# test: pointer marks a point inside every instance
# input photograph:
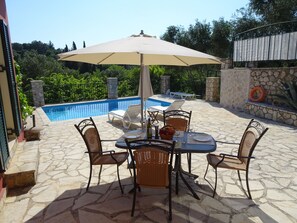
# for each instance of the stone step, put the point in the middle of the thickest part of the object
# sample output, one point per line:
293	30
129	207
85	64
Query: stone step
22	169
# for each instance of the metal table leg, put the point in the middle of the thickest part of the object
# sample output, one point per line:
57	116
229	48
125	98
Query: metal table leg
180	172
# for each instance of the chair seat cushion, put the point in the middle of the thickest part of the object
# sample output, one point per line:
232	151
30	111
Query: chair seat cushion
116	158
228	162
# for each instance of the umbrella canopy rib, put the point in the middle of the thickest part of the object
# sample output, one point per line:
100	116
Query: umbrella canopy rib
181	60
101	61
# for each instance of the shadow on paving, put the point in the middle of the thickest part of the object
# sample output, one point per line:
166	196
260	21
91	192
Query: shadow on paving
242	114
238	204
18	191
105	203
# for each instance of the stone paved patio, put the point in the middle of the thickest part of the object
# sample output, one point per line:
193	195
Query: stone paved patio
60	196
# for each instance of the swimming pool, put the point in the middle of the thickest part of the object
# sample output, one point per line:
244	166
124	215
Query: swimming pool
83	110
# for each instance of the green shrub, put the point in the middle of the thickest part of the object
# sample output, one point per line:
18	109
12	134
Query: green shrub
288	96
59	88
26	109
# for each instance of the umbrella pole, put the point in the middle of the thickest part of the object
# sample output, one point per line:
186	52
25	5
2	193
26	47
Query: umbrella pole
141	88
145	109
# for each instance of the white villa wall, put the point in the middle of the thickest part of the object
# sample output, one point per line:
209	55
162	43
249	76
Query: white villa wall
235	86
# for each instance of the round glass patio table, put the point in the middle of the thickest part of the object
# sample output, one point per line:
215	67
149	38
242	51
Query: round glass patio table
190	142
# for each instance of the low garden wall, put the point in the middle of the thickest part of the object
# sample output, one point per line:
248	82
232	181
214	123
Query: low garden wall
271	78
237	83
274	113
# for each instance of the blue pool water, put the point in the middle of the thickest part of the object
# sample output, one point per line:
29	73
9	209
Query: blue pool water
88	109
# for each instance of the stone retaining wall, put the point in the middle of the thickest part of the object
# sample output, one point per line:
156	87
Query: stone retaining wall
271	112
270	79
237	83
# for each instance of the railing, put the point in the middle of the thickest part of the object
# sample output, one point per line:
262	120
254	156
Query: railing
277	41
73	92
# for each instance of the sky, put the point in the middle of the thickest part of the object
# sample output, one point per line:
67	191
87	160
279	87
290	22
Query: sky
99	21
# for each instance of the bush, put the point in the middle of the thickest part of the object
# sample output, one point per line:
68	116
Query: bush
61	88
26	109
288	97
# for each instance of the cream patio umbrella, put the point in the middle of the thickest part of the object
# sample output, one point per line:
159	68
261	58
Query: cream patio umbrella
146	90
139	50
147	86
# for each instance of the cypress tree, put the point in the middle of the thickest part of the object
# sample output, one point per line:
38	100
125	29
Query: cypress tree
66	48
73	46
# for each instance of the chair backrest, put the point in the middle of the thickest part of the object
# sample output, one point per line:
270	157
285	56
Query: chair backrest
179	119
251	136
132	112
176	105
91	137
151	161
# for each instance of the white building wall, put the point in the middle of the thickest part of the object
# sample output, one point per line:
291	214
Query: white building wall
235	87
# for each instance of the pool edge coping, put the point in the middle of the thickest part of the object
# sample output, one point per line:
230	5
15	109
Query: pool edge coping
46	121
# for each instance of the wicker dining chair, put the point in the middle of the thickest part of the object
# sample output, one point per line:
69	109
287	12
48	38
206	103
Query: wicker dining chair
152	165
240	162
180	120
97	156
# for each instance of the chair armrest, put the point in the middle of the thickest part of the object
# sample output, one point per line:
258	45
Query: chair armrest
231	143
230	155
107	151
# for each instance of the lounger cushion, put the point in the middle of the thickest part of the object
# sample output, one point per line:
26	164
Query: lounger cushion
158	108
119	113
174	106
131	115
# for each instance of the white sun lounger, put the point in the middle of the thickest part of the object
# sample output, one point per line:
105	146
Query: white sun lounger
131	115
182	95
174	106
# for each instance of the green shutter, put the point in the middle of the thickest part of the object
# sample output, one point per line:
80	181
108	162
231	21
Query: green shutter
4	150
11	78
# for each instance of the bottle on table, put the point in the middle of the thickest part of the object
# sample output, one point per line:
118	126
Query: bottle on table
149	131
156	132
